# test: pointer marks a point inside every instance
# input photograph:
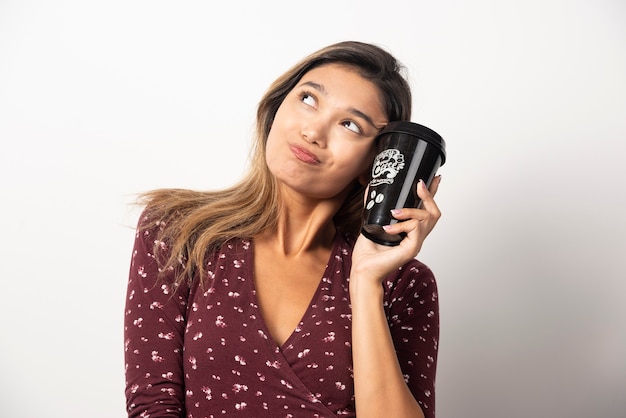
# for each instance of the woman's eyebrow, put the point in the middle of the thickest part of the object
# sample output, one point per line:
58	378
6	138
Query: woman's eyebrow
357	112
352	110
315	85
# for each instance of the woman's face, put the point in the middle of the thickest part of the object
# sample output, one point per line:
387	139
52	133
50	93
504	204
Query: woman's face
322	136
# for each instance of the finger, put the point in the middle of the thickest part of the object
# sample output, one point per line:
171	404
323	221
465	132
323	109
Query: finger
428	203
415	231
434	185
410	213
399	227
413	220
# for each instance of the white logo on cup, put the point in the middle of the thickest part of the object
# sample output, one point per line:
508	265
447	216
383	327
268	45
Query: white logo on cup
386	167
375	198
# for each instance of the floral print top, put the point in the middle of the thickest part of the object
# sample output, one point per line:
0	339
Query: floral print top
195	351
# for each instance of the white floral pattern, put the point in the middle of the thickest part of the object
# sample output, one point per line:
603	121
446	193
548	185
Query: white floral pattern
205	352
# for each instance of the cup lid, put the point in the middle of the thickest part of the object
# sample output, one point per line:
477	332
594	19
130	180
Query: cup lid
420	131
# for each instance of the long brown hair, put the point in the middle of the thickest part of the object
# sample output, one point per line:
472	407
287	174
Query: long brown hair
193	223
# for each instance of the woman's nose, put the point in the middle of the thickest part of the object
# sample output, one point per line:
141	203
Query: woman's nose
314	132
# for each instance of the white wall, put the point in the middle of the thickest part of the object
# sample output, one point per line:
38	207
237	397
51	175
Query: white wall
101	100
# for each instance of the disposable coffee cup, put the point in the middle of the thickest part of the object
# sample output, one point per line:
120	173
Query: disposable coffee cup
407	152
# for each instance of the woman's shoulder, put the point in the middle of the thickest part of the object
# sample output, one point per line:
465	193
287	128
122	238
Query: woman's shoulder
414	277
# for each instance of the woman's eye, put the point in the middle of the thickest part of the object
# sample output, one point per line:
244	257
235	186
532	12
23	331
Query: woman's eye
308	99
352	126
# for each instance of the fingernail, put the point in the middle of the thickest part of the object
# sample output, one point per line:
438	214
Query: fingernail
386	227
396	211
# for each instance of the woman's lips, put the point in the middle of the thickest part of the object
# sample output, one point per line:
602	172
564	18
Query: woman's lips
304	155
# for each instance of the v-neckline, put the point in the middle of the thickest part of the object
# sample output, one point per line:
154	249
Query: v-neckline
301	322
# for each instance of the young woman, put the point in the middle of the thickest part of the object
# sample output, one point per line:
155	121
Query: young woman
263	300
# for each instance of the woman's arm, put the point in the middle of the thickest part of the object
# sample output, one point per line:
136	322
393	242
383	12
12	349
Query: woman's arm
380	386
154	326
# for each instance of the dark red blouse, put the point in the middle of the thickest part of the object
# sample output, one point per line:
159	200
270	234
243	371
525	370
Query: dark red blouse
198	352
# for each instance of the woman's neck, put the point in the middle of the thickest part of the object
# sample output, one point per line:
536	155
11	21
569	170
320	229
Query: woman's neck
303	225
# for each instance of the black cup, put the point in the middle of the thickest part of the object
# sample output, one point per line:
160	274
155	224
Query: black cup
407	152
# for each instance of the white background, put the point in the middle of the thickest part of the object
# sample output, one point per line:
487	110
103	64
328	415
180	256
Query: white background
102	100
